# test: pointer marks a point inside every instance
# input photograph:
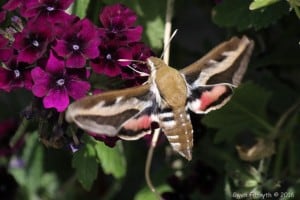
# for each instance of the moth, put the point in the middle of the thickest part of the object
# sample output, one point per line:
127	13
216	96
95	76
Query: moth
167	97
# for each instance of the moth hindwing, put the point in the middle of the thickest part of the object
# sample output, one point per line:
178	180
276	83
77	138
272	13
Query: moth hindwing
167	97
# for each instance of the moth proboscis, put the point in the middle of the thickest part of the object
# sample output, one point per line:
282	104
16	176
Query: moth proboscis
167	97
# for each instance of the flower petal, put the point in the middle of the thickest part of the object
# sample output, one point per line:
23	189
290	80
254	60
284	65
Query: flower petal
78	88
112	13
75	60
65	4
61	48
109	69
11	5
134	34
5	54
2	16
88	30
124	53
28	56
57	98
91	50
41	81
4	79
28	80
54	64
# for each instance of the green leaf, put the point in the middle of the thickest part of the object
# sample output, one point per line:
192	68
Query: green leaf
151	15
112	159
256	4
236	14
86	167
114	1
32	156
295	5
155	31
80	7
50	182
243	112
146	194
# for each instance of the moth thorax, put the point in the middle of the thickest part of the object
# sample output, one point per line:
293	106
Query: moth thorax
176	125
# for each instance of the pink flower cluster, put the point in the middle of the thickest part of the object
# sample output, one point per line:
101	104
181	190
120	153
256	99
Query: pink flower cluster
52	53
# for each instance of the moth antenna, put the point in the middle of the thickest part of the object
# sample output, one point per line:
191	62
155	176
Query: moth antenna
132	68
166	47
149	162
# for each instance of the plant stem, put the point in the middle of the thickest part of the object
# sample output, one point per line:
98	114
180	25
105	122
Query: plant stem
292	156
283	119
168	29
279	158
19	133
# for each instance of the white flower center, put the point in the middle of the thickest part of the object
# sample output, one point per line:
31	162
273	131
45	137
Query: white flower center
35	43
60	82
75	47
50	8
108	57
17	73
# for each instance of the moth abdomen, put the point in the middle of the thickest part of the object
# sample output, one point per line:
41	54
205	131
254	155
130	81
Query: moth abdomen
178	129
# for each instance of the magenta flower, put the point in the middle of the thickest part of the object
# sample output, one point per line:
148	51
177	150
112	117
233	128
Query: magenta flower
48	10
2	16
108	62
5	50
60	27
118	22
32	42
79	43
15	75
117	12
56	83
12	5
140	52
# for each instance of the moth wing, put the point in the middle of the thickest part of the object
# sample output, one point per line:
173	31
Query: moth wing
125	113
212	78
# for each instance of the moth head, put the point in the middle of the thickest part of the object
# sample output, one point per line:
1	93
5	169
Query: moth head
155	63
